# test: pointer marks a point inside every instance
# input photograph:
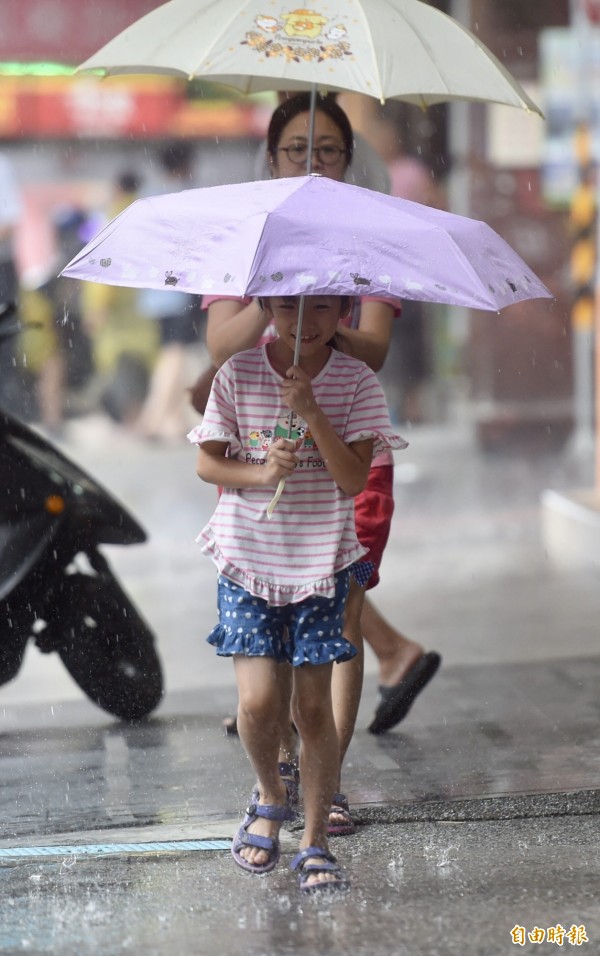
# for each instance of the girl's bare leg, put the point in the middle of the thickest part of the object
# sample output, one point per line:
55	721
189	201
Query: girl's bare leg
319	751
289	743
259	715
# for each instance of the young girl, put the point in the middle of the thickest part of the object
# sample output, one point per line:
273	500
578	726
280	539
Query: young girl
283	581
237	324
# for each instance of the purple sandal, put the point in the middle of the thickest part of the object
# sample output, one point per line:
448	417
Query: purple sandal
327	863
341	808
269	844
290	774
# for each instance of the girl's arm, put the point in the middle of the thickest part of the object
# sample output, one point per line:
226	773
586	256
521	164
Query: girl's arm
216	468
348	464
370	342
233	327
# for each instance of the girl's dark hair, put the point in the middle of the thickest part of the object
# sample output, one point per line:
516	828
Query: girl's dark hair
337	341
289	109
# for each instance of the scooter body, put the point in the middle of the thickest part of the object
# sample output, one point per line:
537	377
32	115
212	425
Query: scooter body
56	586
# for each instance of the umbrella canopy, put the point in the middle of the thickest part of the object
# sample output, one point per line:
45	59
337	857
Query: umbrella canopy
306	235
402	49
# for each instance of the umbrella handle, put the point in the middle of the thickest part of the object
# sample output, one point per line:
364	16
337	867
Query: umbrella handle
273	503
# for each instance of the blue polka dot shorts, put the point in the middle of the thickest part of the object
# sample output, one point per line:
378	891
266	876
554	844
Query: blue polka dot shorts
309	632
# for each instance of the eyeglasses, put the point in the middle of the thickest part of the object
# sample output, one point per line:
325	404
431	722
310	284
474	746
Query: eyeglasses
297	154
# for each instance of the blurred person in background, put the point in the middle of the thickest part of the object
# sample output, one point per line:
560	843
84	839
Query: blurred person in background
11	210
53	343
410	365
124	339
164	416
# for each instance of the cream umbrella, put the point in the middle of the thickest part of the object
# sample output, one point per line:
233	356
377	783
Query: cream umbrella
388	49
399	49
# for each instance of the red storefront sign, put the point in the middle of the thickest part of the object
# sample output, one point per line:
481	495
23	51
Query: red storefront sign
64	31
60	106
138	107
68	31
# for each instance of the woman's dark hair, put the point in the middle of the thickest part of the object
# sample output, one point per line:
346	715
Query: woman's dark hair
289	109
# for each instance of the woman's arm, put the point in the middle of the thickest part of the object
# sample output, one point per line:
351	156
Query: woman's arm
370	342
233	327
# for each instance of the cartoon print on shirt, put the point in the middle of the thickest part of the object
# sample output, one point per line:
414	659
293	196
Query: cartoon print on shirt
263	438
266	436
309	441
282	428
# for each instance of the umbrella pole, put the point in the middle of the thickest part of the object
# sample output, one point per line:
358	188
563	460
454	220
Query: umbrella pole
298	343
311	126
281	485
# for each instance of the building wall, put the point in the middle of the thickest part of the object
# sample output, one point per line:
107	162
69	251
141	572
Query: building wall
520	362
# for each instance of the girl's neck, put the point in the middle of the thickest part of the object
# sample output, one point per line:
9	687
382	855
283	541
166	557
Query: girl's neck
282	358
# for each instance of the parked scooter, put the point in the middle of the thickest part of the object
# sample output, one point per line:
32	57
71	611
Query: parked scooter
56	586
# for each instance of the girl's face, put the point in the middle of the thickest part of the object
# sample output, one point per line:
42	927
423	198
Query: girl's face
329	156
319	322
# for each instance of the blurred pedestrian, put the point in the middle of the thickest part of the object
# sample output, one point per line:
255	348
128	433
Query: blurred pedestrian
411	363
53	341
11	210
124	339
164	415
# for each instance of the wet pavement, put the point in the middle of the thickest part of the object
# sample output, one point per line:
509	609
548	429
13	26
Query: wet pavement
477	816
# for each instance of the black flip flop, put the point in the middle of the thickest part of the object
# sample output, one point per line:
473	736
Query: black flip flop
397	700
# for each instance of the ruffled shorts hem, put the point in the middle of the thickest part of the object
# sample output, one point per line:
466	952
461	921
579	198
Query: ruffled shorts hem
229	643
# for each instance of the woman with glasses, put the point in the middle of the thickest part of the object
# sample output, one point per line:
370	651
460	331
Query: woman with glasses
237	324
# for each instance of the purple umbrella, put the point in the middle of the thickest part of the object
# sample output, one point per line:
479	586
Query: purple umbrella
306	236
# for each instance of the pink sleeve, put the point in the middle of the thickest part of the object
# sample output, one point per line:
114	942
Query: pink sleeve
396	304
209	299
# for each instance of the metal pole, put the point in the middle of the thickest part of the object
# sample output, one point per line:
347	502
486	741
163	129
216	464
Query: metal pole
458	184
583	311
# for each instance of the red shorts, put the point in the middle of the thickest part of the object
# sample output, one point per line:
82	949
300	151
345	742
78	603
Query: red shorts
373	510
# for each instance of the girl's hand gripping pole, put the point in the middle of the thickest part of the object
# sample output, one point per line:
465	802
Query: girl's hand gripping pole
273	503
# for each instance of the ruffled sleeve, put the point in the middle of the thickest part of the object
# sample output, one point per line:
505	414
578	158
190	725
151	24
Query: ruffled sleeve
369	416
220	419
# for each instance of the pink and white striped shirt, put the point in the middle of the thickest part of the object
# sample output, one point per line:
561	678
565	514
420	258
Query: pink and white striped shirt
350	321
312	534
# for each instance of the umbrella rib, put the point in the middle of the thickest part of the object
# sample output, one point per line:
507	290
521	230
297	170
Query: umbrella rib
420	41
416	38
466	262
156	48
368	35
234	16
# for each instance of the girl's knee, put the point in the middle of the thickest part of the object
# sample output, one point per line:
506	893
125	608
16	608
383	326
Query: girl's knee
312	716
258	710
